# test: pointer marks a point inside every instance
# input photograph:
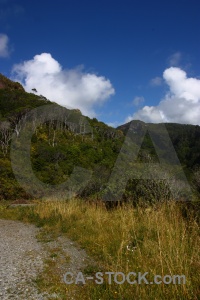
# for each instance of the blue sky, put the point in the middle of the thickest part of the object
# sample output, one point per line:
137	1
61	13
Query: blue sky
114	60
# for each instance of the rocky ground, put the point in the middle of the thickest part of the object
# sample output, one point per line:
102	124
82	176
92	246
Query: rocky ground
22	258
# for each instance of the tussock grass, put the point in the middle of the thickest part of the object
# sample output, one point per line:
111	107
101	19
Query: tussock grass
157	240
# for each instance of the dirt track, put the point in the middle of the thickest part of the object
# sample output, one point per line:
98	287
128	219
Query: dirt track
22	258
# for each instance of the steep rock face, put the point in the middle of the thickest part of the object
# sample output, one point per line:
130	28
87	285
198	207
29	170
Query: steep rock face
6	83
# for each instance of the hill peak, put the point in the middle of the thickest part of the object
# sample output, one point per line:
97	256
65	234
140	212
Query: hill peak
6	83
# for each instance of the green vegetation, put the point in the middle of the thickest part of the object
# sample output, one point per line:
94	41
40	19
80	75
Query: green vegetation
58	146
158	240
145	234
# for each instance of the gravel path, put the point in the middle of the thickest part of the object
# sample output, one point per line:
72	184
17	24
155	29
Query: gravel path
22	258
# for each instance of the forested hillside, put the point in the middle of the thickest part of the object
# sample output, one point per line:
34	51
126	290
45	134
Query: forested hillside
58	146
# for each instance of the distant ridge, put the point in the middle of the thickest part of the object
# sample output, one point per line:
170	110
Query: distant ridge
6	83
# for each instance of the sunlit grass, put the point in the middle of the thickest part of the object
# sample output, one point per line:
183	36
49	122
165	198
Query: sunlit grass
157	240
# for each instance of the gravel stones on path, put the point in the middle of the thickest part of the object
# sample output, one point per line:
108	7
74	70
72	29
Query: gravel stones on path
22	258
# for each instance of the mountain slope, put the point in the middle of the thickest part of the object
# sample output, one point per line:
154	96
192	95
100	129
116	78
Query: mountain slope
185	139
57	146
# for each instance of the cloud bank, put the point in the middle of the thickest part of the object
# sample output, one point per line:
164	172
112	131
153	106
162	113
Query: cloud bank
72	88
181	103
4	49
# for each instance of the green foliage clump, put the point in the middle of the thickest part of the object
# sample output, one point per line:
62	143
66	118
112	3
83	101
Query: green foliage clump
59	146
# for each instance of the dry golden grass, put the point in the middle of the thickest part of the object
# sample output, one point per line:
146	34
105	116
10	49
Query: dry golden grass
157	240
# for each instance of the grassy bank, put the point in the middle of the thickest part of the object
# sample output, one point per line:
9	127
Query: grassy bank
158	240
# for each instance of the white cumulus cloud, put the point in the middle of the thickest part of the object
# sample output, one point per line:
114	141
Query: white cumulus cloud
72	88
181	103
4	49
